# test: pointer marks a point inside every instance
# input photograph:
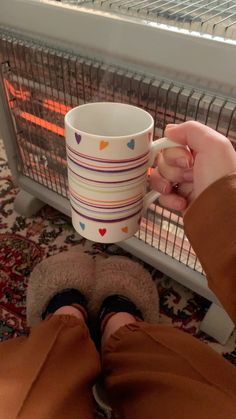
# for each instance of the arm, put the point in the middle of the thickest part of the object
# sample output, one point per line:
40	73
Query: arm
206	175
210	225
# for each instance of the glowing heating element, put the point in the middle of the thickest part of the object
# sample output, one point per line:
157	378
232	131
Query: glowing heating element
47	103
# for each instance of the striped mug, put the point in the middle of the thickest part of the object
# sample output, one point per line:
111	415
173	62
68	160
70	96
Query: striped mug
109	149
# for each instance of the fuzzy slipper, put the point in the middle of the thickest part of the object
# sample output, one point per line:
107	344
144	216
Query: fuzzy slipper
61	273
123	277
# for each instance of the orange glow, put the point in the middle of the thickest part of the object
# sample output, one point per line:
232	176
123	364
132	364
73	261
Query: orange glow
42	123
24	95
150	170
20	94
56	106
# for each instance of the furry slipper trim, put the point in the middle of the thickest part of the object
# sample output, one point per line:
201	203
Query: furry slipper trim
65	270
122	276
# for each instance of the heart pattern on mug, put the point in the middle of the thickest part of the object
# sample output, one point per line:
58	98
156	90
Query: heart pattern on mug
77	137
125	229
82	225
131	144
102	231
103	144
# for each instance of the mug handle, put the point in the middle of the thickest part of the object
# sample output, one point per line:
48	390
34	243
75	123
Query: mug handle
157	145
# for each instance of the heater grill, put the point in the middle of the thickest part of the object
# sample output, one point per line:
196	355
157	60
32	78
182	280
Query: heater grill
43	83
213	17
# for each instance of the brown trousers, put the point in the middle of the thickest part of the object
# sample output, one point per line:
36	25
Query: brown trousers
151	372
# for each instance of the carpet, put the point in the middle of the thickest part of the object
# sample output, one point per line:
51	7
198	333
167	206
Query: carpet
24	242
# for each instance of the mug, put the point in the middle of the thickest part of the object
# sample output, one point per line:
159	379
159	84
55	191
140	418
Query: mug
109	149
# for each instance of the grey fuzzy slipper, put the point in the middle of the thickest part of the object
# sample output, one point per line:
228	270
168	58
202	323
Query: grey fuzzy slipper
66	270
122	276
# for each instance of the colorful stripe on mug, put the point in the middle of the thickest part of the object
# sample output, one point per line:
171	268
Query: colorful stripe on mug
110	205
105	221
107	212
98	159
110	170
125	181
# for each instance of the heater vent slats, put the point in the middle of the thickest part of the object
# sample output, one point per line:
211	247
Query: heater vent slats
213	17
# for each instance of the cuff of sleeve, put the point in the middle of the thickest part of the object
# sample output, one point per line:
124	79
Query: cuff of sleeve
210	225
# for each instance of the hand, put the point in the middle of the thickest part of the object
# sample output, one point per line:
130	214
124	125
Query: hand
208	157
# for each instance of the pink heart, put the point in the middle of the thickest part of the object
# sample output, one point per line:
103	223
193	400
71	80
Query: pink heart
102	231
77	137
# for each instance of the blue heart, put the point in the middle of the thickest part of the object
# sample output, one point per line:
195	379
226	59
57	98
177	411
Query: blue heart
77	137
82	225
131	144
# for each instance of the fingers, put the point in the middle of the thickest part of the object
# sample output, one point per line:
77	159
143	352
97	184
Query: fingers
165	187
169	199
159	183
195	135
170	168
211	154
178	156
173	202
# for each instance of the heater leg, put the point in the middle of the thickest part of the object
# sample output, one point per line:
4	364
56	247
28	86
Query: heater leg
217	324
26	204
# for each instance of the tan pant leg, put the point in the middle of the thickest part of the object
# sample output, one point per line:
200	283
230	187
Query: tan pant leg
156	371
49	375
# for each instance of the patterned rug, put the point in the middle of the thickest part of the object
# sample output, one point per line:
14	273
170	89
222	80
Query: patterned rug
26	241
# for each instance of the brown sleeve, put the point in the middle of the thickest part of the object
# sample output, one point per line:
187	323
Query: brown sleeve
210	225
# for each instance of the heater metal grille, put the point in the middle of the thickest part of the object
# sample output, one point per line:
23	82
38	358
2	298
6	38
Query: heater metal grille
213	17
42	84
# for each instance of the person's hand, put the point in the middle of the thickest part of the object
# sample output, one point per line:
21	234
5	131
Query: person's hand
183	173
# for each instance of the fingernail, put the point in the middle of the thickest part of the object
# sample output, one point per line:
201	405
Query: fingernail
170	125
183	162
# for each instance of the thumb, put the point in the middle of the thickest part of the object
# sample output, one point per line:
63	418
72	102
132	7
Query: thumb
197	136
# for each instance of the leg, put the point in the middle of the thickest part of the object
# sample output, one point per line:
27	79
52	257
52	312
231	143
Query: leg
154	370
49	374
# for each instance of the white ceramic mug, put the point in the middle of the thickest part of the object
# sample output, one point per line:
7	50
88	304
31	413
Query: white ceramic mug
109	149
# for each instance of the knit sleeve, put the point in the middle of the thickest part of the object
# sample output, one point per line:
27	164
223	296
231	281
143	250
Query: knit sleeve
210	225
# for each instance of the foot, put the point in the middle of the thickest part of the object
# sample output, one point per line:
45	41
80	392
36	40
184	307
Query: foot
114	323
123	277
116	311
71	311
66	279
124	293
109	325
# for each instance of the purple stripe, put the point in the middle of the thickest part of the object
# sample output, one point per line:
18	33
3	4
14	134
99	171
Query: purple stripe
105	171
113	207
105	221
98	181
107	212
106	161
